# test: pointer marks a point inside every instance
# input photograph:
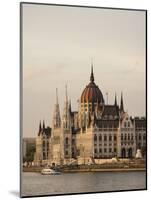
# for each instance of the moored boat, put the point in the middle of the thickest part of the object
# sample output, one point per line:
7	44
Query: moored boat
48	171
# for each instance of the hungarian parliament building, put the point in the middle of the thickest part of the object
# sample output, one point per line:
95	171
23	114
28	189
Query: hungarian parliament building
96	131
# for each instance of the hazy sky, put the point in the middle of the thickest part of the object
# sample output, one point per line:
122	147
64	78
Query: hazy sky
58	44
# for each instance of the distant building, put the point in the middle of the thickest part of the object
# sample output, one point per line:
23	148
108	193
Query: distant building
28	148
97	130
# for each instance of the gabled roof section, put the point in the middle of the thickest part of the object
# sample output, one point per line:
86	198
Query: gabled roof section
107	123
140	122
110	110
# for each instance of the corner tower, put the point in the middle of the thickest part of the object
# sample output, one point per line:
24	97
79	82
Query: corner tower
66	130
55	140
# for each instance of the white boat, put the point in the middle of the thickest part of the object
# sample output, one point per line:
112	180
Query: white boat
48	171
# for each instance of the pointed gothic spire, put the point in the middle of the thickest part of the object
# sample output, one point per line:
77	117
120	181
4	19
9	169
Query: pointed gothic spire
56	115
40	127
66	112
56	95
115	103
66	94
92	75
70	105
122	105
43	124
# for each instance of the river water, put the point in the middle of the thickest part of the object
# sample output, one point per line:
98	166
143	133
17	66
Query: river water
36	184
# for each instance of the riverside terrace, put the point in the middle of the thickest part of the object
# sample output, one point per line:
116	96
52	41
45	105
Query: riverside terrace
119	165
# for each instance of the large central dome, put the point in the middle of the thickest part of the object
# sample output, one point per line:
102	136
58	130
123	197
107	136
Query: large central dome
92	93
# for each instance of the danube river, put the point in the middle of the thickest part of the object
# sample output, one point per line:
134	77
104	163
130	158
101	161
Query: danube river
37	184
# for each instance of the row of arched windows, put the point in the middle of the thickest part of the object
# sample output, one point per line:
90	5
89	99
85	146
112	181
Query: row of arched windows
140	137
100	137
45	144
110	150
127	136
67	141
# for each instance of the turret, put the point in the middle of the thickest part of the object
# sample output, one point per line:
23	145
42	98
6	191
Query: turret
66	128
43	125
121	105
66	118
70	106
40	128
115	102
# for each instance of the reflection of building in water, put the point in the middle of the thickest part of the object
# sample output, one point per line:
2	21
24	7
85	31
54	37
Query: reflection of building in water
97	130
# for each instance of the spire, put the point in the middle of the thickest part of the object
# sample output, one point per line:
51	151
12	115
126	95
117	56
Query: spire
40	127
70	105
122	105
92	75
66	94
115	103
56	95
43	124
66	112
56	115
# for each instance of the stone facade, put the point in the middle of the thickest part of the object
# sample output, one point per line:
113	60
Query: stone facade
95	131
42	145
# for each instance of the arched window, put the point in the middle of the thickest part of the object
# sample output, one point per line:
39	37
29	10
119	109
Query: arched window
130	152
105	138
139	136
67	141
100	137
73	141
122	137
110	138
44	155
47	144
95	138
139	145
144	137
123	153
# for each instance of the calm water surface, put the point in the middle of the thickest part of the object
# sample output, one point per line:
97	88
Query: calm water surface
37	184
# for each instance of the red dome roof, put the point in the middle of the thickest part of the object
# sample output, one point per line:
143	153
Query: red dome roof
92	93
